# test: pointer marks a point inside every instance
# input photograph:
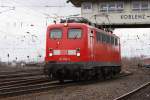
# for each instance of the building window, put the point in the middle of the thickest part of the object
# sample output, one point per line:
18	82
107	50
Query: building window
140	5
144	5
136	6
119	6
111	6
103	8
86	7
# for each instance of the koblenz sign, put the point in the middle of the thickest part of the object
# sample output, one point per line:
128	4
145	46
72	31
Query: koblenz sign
133	16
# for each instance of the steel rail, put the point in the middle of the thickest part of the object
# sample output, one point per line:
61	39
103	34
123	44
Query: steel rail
7	91
20	80
19	71
20	75
26	89
14	91
25	82
126	95
29	90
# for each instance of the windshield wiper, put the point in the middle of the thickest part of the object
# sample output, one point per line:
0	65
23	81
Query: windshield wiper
75	37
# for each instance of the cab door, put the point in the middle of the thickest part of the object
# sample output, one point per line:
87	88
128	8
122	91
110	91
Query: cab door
91	44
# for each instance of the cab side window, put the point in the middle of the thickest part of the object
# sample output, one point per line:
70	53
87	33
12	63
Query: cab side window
98	36
116	41
112	40
106	38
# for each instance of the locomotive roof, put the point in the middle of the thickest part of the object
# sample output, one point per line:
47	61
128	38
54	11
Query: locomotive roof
62	24
103	31
83	24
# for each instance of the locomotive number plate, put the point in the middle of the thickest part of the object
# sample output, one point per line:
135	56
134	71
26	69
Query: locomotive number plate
64	59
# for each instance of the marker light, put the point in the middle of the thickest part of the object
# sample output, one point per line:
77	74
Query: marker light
50	49
65	24
78	49
78	54
50	54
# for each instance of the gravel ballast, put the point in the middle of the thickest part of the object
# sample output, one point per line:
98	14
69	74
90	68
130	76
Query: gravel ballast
103	90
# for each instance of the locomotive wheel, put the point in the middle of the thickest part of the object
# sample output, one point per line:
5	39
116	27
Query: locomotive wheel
109	72
60	75
99	74
103	73
51	76
88	74
83	75
76	76
45	70
61	81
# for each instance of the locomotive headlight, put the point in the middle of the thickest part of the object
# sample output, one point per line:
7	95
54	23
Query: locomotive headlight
50	54
78	54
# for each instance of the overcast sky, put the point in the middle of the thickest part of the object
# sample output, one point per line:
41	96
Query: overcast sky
23	26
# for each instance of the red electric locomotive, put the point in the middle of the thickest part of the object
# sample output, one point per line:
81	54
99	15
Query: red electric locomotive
78	51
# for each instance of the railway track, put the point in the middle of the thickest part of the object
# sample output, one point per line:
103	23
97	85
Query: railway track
20	75
20	71
10	82
30	85
21	82
129	95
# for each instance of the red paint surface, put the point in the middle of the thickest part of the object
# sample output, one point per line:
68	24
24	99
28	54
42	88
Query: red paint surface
90	49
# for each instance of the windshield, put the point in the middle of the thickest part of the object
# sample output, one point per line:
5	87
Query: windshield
74	33
56	34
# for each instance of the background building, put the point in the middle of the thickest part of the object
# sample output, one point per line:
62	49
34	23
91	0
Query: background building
117	13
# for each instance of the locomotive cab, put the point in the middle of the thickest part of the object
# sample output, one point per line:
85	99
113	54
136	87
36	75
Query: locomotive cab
66	44
66	49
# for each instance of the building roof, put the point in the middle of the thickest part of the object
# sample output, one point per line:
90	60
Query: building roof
77	3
